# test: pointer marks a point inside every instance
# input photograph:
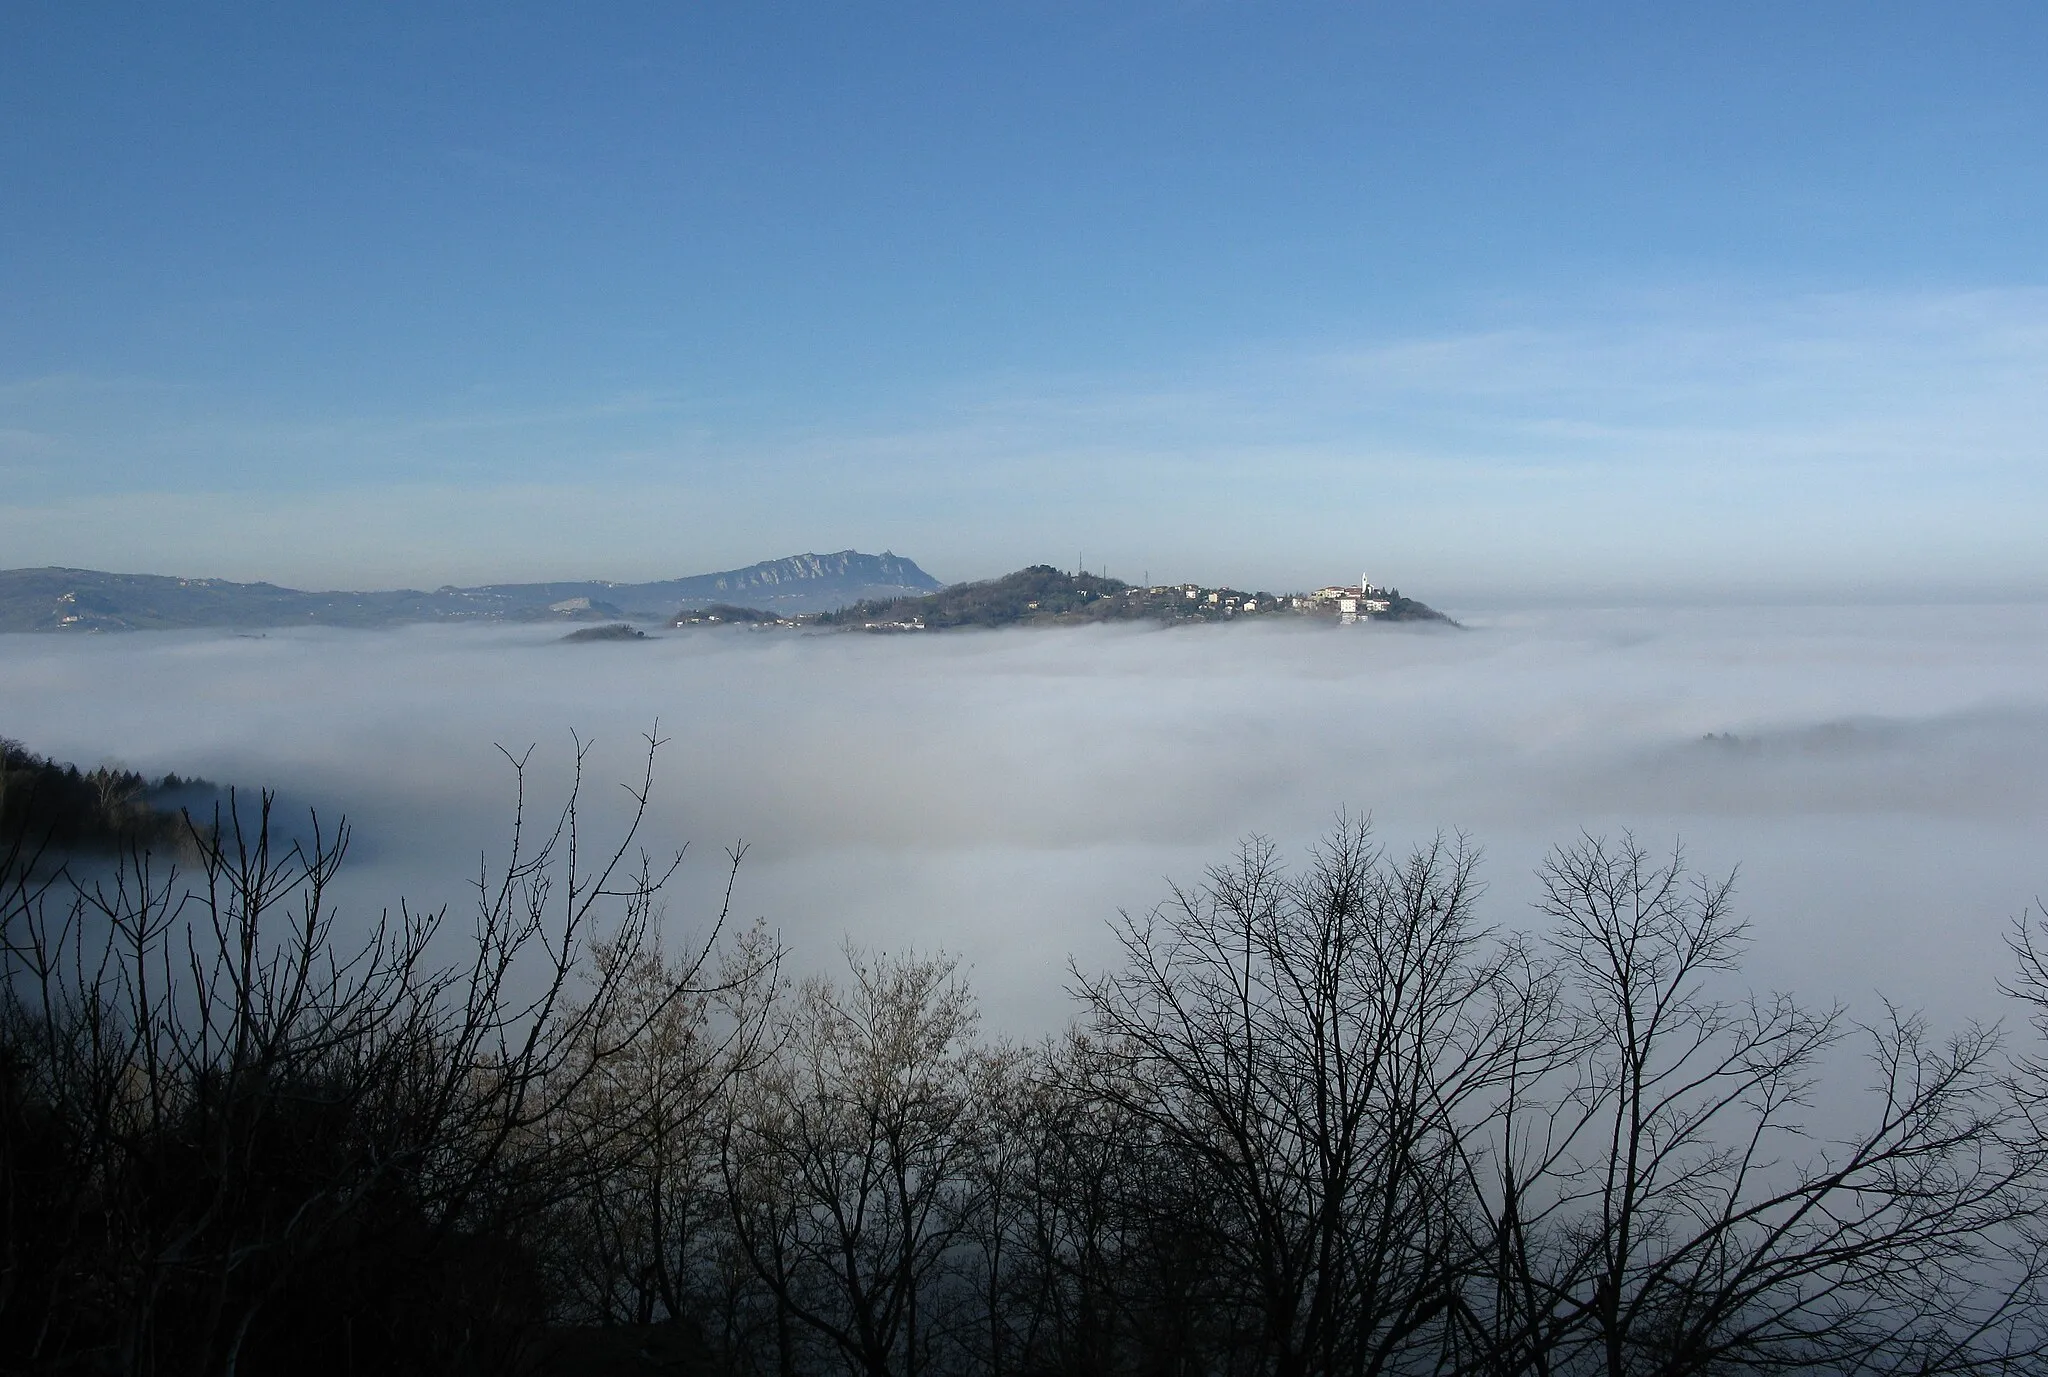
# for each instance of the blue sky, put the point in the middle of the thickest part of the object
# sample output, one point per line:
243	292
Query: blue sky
1497	299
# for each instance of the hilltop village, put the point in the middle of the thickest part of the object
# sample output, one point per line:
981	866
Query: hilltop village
1044	596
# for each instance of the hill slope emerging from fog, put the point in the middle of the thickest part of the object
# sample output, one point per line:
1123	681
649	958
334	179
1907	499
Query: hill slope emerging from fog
1044	596
89	600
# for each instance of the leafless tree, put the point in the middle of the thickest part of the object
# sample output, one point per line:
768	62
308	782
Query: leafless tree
1318	1122
1006	1096
247	1142
848	1156
634	1242
1315	1044
1683	1216
1108	1257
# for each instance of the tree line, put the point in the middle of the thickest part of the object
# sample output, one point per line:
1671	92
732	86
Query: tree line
53	807
1318	1120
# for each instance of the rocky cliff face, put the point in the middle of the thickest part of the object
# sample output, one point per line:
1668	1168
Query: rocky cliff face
817	583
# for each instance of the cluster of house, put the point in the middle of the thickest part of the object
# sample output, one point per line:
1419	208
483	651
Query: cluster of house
1222	599
1353	603
1349	602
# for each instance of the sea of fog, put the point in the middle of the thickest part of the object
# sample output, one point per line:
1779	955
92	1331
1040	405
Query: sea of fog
1000	795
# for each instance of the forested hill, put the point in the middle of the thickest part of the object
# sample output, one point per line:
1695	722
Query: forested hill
87	600
1040	593
1045	596
48	808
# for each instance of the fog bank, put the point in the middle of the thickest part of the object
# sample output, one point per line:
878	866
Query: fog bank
1880	775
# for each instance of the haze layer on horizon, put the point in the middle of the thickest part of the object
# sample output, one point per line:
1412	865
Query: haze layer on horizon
1492	300
1003	794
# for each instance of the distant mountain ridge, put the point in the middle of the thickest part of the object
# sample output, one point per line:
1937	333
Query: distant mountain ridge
53	599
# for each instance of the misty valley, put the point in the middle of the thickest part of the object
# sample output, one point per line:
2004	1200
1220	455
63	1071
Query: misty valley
1267	1000
1456	788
